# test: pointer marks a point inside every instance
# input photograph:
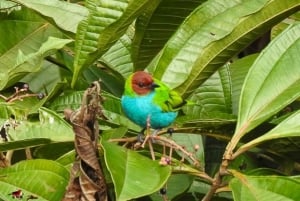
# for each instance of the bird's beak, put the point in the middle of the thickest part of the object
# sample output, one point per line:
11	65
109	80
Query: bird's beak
154	85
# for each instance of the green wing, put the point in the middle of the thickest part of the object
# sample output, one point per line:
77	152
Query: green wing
169	100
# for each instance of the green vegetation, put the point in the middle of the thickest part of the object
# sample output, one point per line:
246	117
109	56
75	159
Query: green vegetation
240	141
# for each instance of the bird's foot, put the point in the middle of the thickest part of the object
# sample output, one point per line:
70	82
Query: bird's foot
141	136
170	131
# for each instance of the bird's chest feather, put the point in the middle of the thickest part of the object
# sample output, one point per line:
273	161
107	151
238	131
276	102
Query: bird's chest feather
138	109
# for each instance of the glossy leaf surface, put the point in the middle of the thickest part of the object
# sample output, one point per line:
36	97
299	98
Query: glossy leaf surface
134	175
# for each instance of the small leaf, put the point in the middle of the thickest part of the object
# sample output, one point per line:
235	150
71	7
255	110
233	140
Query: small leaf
264	188
42	178
133	175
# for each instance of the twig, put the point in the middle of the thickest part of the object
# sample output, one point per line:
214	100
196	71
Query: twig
176	146
215	185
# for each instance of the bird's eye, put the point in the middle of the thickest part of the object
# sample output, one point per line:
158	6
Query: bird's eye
141	85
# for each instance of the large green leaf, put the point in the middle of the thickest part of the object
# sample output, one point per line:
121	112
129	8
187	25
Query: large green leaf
270	85
43	179
64	14
288	128
213	34
133	175
23	32
156	25
30	63
106	23
264	188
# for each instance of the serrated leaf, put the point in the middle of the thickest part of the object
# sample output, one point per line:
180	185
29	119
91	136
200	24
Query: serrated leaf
210	36
59	11
106	23
133	175
272	84
42	178
264	188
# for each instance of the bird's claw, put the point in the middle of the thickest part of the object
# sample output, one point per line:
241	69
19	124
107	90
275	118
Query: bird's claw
140	137
170	131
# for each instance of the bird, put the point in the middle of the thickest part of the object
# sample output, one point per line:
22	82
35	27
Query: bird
148	101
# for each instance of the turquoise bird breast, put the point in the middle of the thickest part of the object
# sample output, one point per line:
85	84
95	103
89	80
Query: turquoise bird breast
139	108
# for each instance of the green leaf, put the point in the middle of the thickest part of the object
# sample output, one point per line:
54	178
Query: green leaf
50	126
189	141
213	96
111	81
118	57
31	62
70	99
212	35
173	189
270	85
156	25
42	178
23	32
58	11
7	6
264	188
22	144
41	81
67	159
133	175
287	128
53	150
106	23
238	71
